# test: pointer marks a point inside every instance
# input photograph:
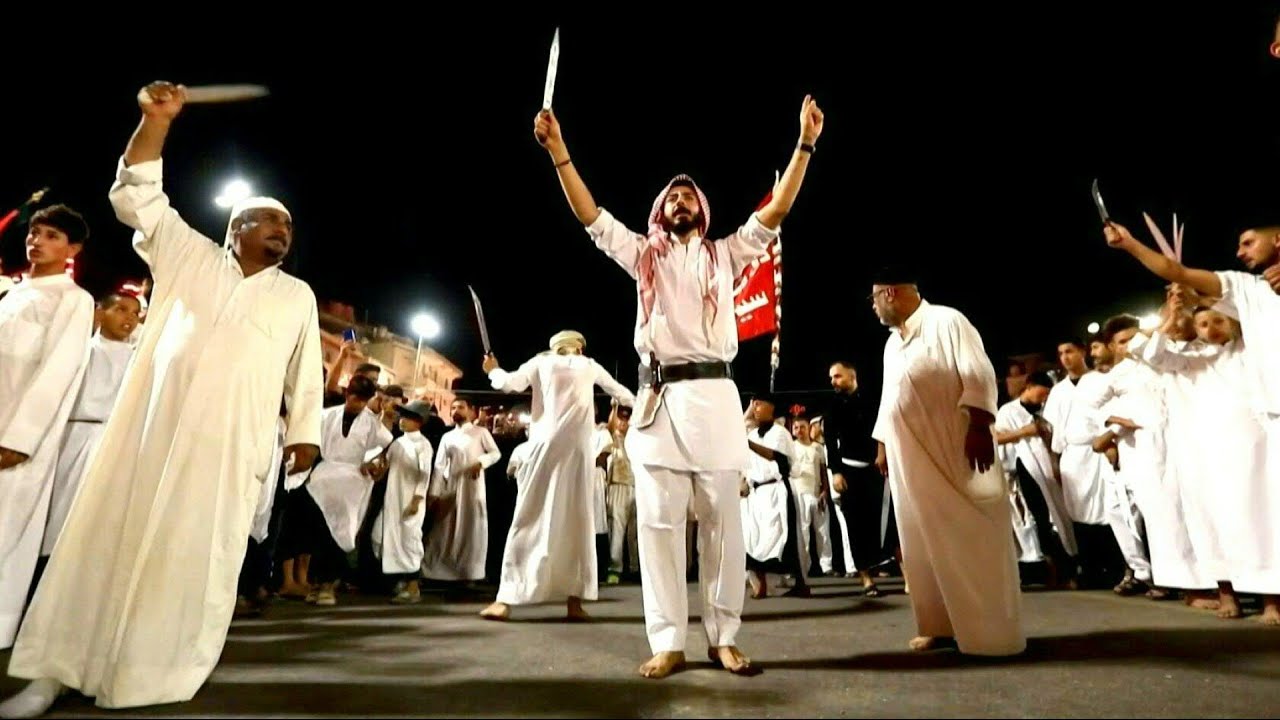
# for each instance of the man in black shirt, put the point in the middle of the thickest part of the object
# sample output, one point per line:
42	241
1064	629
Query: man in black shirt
851	454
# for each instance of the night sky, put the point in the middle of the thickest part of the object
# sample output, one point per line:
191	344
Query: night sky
961	142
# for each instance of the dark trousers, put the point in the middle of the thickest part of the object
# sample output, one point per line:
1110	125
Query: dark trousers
328	561
862	503
1102	564
1050	543
255	572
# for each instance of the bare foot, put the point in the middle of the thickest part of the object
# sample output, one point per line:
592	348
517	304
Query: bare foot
1270	610
1228	608
923	642
759	586
575	613
732	659
662	665
497	611
293	591
1202	600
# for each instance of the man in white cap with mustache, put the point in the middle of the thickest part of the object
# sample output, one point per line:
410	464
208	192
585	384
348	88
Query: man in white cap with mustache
551	546
135	604
686	440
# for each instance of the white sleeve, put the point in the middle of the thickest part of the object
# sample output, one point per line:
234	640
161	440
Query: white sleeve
622	245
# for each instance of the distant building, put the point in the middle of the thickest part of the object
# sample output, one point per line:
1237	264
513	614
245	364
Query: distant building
395	354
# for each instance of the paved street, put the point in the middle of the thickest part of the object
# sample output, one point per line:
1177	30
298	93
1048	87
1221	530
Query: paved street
835	655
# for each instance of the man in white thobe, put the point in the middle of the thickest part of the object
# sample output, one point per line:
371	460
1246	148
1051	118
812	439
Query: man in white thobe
620	500
109	354
457	543
551	546
1083	472
135	604
351	436
934	430
45	325
1021	435
1252	300
685	444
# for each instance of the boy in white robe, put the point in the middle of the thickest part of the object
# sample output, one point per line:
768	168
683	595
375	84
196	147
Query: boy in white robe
397	531
1022	436
769	515
936	447
109	354
183	455
809	483
341	484
1232	511
46	322
1252	300
551	546
457	542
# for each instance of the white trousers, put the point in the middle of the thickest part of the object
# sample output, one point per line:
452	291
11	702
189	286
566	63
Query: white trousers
1126	524
815	517
662	508
621	502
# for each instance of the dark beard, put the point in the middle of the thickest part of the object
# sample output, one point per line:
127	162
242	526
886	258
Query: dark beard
684	226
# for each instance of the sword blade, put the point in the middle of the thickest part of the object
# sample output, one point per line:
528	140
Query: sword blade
484	328
1097	201
553	63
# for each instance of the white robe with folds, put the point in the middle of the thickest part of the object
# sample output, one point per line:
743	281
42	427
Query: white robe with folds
1083	471
338	486
1136	392
601	443
1232	511
457	543
765	521
45	326
1250	299
261	526
1035	457
397	538
954	525
108	360
551	546
135	604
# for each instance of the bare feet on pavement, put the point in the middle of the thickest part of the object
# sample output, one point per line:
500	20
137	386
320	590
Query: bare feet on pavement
497	611
732	659
662	665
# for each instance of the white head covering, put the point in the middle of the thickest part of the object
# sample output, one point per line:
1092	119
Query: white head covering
251	204
566	339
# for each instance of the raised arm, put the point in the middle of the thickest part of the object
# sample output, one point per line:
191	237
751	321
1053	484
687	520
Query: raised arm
1202	281
163	239
546	130
784	196
616	390
510	382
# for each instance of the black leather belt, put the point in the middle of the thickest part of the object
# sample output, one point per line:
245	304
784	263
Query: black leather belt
96	422
766	482
656	375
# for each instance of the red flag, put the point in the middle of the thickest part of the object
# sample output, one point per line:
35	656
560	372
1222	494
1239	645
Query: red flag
757	295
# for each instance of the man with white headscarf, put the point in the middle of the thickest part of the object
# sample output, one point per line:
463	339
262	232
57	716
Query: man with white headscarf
551	548
686	442
139	615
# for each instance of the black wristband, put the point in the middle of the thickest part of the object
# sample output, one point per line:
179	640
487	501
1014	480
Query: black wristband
805	147
564	162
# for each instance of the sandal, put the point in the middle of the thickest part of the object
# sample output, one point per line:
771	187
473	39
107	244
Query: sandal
871	591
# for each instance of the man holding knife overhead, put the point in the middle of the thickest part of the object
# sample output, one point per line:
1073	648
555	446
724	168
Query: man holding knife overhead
686	439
